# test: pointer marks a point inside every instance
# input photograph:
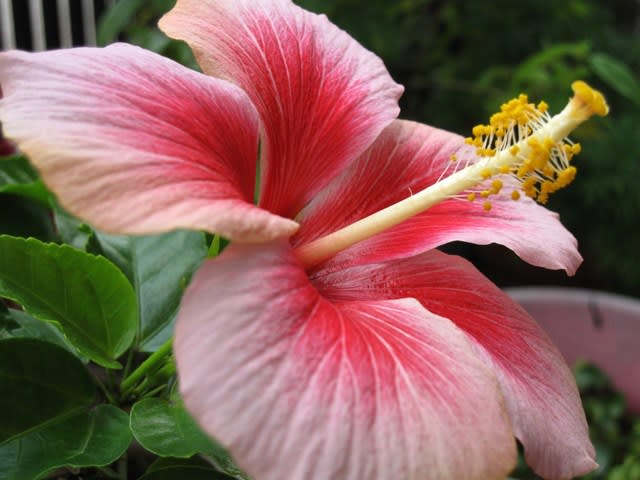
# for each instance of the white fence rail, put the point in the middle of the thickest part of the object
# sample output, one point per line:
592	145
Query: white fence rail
37	26
6	22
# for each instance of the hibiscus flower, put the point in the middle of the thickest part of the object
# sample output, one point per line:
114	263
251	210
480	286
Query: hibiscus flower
307	351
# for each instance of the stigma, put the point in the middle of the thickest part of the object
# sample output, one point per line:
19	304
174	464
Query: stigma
522	145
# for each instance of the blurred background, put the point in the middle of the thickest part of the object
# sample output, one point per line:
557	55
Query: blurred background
459	60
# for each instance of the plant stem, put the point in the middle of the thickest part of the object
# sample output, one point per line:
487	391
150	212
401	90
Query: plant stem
122	466
214	248
104	389
145	367
108	472
127	365
158	389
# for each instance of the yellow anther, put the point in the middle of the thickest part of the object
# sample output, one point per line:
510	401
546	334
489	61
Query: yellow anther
528	183
566	176
539	159
549	143
478	130
546	187
590	98
523	143
525	168
486	206
515	195
453	157
471	197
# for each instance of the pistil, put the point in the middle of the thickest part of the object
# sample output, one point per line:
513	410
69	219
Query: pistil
521	141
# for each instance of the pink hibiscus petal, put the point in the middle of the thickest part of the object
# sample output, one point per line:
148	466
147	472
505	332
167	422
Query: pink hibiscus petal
135	143
299	387
322	97
540	391
406	158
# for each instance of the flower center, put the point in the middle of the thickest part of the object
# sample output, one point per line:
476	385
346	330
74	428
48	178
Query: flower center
521	142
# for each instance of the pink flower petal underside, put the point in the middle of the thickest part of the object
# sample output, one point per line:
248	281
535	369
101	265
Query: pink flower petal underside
135	143
406	158
540	391
300	388
322	97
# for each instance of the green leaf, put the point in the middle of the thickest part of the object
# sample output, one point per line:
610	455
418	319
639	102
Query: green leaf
617	75
71	230
17	176
167	430
86	295
16	169
161	463
552	55
21	325
182	473
39	383
116	19
109	437
29	457
159	267
88	439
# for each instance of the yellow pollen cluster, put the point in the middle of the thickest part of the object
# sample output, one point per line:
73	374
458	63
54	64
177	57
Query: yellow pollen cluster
540	164
593	102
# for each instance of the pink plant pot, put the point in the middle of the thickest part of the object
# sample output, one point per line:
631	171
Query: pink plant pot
599	327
